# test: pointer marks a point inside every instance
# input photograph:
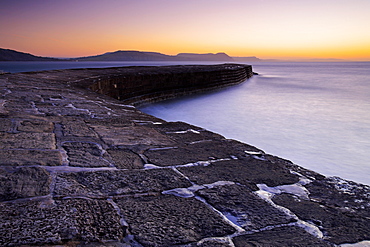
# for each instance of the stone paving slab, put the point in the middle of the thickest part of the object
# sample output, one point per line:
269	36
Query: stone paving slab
23	182
191	153
46	221
243	207
249	172
125	159
127	136
281	236
77	127
338	225
30	157
118	182
85	154
27	140
167	220
35	126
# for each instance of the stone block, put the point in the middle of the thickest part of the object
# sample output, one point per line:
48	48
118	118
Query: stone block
117	182
248	171
85	154
125	159
23	182
132	135
41	222
27	140
243	207
62	109
30	157
198	151
77	127
338	224
280	236
167	220
35	126
337	192
184	133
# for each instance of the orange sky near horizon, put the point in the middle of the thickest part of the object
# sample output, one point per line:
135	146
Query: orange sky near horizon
284	29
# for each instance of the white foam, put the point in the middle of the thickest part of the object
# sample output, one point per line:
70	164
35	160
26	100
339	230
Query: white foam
310	228
253	152
218	183
184	132
180	192
295	189
151	166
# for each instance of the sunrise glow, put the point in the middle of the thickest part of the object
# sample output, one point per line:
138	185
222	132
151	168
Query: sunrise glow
264	28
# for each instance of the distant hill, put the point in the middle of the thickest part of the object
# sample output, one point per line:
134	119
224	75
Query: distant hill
154	56
203	57
247	59
11	55
127	56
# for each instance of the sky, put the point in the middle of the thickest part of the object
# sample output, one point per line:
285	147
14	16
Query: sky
268	29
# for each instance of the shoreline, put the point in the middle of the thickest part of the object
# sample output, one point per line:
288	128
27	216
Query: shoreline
89	168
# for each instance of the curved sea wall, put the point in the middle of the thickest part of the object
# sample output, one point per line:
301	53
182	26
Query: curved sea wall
138	85
80	168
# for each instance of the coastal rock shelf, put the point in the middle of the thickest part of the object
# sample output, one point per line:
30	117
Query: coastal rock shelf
81	168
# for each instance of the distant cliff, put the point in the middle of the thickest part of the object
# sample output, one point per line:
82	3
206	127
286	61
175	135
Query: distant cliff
204	57
155	56
11	55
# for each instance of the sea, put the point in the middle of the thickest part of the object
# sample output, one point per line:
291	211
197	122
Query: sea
316	114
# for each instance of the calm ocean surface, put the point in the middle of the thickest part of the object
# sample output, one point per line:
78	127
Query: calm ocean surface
314	114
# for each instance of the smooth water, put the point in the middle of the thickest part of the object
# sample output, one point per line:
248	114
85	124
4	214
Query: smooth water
314	114
18	66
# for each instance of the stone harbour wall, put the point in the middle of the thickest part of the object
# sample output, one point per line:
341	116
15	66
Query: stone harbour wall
140	85
80	168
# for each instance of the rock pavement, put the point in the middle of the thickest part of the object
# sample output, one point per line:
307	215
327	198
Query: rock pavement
78	168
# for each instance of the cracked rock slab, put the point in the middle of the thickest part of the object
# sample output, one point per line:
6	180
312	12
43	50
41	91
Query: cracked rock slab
85	154
54	222
30	158
185	133
347	195
125	159
23	182
167	220
337	225
281	236
246	171
111	183
77	127
35	126
211	242
243	207
199	151
27	140
132	135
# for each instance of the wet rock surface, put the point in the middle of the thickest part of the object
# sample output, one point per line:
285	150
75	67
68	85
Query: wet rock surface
79	168
165	220
243	207
280	236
